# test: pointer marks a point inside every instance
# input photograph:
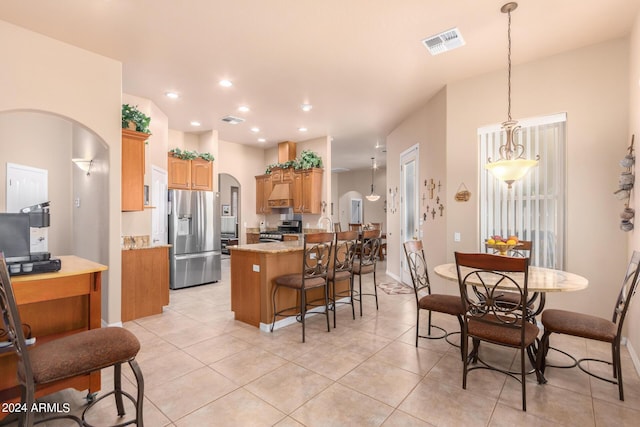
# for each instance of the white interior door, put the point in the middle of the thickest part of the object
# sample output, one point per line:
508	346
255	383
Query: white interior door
409	203
28	186
159	219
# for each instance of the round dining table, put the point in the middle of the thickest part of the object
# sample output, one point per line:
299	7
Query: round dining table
540	279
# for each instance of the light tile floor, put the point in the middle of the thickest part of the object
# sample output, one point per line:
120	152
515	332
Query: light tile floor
202	368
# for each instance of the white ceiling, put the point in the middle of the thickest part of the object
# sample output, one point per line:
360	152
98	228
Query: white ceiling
360	63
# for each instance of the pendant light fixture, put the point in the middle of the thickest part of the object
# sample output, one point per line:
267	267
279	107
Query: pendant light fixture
512	164
373	196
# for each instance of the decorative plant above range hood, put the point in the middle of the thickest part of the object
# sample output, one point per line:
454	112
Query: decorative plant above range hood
306	160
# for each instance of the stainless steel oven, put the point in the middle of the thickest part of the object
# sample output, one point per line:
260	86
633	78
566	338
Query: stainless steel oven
289	226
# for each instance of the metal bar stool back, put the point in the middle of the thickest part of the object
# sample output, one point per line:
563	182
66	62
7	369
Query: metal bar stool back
344	251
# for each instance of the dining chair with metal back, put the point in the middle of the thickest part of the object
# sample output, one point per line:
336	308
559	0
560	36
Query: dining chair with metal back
344	252
425	300
367	251
485	320
594	328
313	275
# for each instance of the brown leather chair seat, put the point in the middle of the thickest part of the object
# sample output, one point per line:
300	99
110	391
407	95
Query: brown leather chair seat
82	353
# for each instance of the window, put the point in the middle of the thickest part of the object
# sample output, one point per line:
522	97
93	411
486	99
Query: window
534	207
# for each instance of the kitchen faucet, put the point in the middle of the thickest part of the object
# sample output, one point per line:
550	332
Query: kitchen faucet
325	219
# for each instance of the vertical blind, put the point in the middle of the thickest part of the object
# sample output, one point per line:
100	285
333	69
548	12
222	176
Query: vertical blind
534	208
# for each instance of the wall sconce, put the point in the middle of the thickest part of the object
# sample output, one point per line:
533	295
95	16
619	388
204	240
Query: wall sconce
84	164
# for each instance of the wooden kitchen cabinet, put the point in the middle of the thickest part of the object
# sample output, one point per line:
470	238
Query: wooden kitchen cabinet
145	282
196	174
133	170
263	190
307	191
279	175
179	173
253	238
201	175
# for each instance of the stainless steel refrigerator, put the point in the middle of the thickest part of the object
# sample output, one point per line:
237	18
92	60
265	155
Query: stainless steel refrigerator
194	236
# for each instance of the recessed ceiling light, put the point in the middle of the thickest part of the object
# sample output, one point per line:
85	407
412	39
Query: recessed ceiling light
195	123
243	108
262	140
302	129
172	95
255	129
306	107
226	83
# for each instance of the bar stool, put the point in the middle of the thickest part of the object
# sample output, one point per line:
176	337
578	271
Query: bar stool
69	356
313	275
368	247
344	252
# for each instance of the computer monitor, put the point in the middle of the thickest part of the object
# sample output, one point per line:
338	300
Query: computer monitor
15	236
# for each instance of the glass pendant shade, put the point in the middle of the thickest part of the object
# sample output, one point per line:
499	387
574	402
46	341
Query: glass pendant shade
510	171
373	196
511	166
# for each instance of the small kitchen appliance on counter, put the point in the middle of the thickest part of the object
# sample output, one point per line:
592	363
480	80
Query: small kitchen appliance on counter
15	241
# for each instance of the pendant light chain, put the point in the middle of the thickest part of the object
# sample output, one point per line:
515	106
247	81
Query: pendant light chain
509	73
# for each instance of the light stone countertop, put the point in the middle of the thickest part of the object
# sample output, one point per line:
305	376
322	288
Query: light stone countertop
270	247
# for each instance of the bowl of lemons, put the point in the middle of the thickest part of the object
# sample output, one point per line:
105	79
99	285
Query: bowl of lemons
501	245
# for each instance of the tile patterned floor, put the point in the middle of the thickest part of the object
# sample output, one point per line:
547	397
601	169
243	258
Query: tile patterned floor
202	368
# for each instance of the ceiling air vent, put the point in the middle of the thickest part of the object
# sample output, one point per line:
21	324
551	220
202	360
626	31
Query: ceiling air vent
444	42
232	120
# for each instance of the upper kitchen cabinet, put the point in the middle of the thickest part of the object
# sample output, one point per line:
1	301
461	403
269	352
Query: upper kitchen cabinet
133	170
263	191
307	191
196	174
201	175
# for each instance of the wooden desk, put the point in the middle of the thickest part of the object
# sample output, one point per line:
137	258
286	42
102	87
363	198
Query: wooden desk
55	305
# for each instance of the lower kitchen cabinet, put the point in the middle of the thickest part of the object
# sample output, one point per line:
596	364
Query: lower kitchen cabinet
145	282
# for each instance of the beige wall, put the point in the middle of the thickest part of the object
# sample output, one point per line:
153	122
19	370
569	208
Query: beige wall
425	127
359	181
35	77
590	84
243	163
633	321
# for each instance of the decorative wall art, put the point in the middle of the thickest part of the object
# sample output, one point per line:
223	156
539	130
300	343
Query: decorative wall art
625	185
463	194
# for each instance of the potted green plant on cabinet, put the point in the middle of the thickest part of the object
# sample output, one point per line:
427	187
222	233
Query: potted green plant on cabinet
134	119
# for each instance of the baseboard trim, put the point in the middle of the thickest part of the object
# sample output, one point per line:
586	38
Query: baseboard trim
634	356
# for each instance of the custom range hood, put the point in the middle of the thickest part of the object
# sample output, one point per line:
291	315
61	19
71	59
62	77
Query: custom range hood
281	195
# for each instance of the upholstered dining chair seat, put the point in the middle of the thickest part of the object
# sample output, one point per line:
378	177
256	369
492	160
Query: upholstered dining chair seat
295	281
494	331
580	325
339	275
363	269
82	353
448	304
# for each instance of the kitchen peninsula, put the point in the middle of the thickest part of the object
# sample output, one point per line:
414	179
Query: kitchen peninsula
253	269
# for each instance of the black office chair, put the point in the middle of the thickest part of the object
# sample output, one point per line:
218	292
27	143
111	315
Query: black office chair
69	356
